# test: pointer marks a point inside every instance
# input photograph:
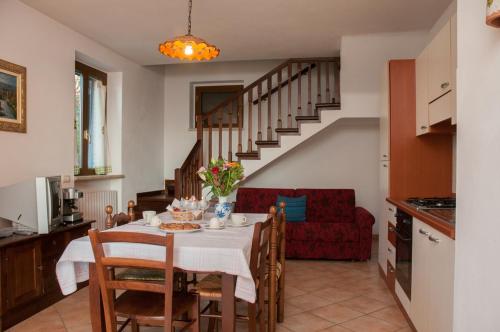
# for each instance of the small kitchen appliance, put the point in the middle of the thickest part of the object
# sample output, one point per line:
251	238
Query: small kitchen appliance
70	210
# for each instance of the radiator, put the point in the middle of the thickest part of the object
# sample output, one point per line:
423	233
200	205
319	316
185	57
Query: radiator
93	205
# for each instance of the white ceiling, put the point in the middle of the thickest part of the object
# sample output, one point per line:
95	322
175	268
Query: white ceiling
243	30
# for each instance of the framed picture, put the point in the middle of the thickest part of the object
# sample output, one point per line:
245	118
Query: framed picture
12	97
209	96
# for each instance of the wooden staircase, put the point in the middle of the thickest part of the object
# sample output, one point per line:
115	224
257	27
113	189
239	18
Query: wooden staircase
272	107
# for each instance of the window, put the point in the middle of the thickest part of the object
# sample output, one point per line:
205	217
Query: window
90	121
208	97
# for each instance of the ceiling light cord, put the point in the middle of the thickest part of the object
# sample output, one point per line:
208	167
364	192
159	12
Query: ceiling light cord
190	6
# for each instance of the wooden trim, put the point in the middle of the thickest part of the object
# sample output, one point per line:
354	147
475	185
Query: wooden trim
400	306
81	178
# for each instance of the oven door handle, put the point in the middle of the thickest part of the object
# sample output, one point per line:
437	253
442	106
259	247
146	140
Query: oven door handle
405	239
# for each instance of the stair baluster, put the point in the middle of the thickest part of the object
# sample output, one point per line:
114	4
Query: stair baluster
289	119
299	89
219	118
280	122
259	110
318	99
309	88
328	97
210	148
250	120
336	77
230	133
269	109
240	125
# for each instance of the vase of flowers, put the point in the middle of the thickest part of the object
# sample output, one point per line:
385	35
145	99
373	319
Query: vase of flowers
222	178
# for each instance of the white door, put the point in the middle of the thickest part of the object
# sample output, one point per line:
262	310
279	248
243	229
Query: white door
384	206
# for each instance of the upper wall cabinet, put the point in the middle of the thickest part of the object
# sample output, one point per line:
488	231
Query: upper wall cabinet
436	80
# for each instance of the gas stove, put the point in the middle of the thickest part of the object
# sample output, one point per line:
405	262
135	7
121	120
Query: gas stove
432	203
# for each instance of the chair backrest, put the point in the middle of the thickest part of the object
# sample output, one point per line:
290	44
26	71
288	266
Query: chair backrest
119	218
260	246
281	239
105	264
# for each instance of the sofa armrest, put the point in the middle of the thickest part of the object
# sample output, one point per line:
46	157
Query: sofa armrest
365	221
363	218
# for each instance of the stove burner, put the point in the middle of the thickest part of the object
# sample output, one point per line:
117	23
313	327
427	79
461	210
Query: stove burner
432	202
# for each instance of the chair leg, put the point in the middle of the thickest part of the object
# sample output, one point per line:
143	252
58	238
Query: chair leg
252	317
212	322
194	314
134	325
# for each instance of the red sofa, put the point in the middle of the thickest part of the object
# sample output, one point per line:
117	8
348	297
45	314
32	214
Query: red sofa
334	227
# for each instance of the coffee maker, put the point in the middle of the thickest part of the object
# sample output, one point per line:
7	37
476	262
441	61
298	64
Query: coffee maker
70	210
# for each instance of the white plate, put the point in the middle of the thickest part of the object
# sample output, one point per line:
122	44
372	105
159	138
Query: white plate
230	224
214	228
175	231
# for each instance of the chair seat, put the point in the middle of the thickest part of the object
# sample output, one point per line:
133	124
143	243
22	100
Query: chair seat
141	274
210	287
151	306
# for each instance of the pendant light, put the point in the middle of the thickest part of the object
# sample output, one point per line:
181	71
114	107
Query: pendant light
189	47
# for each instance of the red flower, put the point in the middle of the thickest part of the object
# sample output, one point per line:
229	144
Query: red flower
215	170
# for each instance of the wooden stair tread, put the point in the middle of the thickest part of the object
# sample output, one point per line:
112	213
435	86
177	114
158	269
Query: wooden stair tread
335	106
267	143
307	118
287	130
248	155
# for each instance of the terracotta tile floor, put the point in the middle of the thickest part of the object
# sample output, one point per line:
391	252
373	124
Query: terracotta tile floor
324	296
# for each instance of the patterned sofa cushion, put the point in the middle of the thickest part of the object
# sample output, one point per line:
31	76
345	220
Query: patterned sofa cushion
325	232
329	205
258	200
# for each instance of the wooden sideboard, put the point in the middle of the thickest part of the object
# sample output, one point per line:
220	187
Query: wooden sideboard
28	282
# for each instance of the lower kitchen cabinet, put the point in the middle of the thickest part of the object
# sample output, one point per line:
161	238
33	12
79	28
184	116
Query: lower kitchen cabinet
28	282
432	279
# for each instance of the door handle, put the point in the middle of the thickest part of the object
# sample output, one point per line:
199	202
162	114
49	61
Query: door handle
434	239
445	85
423	232
423	127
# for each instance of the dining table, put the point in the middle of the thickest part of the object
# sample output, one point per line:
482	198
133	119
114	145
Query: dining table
225	251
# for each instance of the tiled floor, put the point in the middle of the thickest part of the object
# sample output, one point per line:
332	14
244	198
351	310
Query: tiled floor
324	296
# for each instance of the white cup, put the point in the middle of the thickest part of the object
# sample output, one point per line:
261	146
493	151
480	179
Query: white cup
238	219
148	216
215	223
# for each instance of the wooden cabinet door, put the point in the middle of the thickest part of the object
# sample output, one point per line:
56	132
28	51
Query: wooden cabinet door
419	277
440	63
441	276
453	22
22	279
422	102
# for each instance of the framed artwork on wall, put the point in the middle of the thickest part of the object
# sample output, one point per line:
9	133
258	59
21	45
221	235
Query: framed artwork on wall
12	97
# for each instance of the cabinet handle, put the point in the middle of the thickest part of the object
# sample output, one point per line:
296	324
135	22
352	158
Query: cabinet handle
423	232
385	165
434	239
391	209
384	155
391	229
445	85
389	249
423	127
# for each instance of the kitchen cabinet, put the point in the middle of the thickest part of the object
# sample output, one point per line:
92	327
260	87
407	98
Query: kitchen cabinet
28	282
422	104
432	279
22	278
385	211
384	116
439	63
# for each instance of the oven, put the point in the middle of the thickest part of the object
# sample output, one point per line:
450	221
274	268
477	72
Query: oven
404	232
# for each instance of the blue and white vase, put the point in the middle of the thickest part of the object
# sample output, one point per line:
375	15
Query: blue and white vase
223	209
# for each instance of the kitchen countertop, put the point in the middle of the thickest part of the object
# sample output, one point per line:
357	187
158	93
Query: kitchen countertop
442	220
15	238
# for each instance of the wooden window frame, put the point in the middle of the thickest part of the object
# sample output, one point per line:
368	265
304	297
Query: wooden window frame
199	90
87	72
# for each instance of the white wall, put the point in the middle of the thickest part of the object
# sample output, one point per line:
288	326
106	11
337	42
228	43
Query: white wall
344	155
178	138
477	246
47	49
363	58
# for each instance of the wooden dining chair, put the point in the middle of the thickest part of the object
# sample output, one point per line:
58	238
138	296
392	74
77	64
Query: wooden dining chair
119	219
275	279
143	302
210	287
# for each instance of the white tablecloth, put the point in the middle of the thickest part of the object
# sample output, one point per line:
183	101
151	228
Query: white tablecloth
226	250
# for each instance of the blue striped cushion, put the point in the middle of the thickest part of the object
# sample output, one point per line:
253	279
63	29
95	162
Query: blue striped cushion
295	207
